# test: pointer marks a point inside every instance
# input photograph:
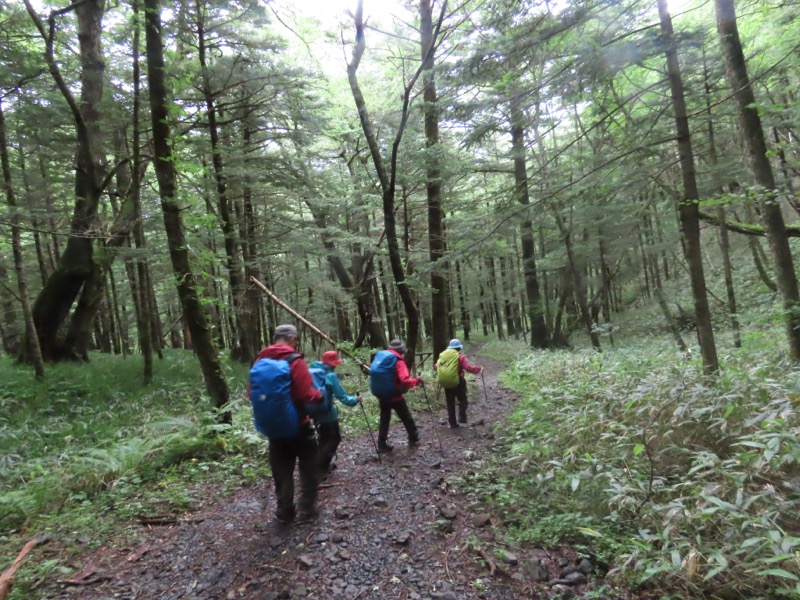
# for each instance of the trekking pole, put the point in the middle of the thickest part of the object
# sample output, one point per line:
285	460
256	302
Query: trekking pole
483	381
430	408
366	419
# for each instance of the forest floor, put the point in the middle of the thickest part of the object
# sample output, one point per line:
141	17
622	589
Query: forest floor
391	529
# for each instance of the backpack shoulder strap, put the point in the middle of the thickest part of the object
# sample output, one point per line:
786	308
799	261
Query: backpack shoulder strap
293	357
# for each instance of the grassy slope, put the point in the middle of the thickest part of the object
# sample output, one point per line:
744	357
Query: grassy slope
87	451
686	485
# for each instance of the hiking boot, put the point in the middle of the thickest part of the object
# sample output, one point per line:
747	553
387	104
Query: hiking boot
284	516
413	440
383	447
454	425
309	514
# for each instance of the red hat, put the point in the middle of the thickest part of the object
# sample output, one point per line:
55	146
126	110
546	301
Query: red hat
331	358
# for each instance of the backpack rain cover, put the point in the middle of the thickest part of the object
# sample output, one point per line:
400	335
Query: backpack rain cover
274	413
448	369
381	375
318	377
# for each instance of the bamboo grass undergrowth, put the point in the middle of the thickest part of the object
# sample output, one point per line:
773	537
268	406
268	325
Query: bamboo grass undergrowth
679	483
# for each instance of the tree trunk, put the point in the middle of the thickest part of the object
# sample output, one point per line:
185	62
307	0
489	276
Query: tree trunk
724	241
440	289
12	336
495	302
688	208
462	302
252	299
240	343
540	337
142	291
35	222
202	342
757	149
75	265
387	178
578	284
31	339
508	298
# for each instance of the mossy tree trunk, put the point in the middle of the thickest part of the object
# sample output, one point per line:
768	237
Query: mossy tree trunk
762	169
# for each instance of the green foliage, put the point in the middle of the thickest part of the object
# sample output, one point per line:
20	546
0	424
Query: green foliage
75	435
682	482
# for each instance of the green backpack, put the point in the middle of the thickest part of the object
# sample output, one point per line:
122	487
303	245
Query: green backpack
448	369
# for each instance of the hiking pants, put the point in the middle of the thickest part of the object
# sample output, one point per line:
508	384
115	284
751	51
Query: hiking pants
329	436
282	457
401	408
451	395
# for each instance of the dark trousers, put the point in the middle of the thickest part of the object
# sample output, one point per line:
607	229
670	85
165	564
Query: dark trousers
329	436
401	408
457	393
283	454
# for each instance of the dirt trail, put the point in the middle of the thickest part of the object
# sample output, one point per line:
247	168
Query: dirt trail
386	530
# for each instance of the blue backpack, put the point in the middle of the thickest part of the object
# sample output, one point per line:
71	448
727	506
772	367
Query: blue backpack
274	413
317	410
381	375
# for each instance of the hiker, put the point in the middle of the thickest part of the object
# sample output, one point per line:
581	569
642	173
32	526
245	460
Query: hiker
389	380
280	386
451	366
327	424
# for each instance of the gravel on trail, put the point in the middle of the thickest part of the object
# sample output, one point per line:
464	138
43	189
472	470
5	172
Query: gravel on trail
390	529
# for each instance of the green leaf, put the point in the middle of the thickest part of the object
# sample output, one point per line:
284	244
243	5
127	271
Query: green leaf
778	573
720	503
590	532
638	449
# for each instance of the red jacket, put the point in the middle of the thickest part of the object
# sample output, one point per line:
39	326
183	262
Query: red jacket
302	388
463	365
402	379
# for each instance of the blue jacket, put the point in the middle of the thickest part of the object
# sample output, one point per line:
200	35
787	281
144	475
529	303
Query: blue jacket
333	384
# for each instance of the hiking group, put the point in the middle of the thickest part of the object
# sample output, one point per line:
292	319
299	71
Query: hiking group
293	407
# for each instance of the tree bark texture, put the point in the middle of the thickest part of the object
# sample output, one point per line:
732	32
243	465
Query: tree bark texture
440	288
75	265
387	178
688	209
540	337
195	318
762	169
240	342
31	339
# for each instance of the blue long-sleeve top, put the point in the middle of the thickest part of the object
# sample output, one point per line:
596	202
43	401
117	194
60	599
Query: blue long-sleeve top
334	387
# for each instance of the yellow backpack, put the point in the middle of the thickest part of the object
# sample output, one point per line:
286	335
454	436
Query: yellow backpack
448	369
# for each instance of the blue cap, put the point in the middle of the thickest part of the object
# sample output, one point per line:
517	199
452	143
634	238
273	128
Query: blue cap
455	344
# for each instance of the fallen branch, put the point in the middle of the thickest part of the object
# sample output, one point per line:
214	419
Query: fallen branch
7	578
166	520
488	560
306	322
746	228
493	568
84	576
139	552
